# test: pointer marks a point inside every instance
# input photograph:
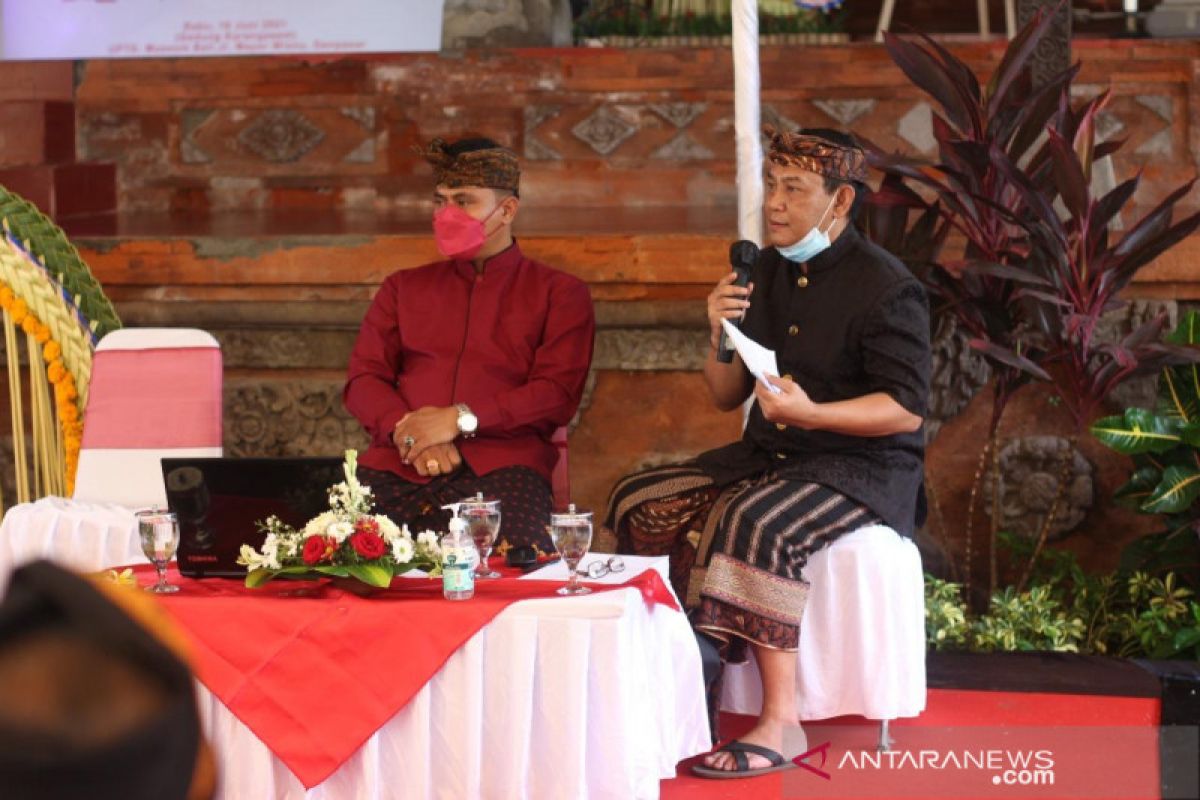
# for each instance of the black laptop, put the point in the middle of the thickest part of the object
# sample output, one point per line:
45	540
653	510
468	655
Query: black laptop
219	500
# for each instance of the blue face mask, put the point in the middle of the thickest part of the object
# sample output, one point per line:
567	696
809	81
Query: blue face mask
814	242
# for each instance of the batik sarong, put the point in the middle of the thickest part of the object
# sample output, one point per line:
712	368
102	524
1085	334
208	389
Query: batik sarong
760	533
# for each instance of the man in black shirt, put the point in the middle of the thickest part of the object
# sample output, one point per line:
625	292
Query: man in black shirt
833	445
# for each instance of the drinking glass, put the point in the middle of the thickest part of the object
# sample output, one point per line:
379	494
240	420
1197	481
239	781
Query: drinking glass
483	523
159	532
572	535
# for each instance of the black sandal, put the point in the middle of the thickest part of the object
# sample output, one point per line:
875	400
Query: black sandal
739	750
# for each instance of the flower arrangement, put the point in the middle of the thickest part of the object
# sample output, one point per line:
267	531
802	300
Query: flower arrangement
347	541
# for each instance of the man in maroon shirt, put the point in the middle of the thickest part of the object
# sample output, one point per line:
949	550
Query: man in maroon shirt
464	368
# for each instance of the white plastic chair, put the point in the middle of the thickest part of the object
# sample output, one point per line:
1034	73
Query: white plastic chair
155	393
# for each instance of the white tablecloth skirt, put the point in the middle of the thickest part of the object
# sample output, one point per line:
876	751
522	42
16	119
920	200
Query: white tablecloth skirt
592	698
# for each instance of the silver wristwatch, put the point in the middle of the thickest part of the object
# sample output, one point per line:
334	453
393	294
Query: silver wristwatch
468	423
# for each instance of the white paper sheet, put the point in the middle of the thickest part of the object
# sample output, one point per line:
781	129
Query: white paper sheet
758	359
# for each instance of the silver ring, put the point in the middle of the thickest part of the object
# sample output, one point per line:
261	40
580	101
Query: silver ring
409	441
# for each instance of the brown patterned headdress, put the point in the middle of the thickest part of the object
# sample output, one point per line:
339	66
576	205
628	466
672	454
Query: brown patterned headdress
492	168
817	154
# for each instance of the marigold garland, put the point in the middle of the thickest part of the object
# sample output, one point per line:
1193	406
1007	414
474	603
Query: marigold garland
65	392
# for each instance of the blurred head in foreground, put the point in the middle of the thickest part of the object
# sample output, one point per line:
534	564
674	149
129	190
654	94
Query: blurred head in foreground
96	700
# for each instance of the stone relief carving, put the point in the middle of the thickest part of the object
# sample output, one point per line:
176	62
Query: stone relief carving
604	129
1030	468
846	111
679	114
650	349
682	148
289	418
286	348
535	148
958	374
280	135
191	120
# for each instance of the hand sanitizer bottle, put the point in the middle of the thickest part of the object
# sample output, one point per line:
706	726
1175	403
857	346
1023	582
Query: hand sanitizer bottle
458	559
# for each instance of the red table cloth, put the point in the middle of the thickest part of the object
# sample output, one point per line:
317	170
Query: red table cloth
314	671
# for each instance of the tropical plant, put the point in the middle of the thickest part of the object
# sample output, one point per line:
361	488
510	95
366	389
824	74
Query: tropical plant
1164	444
1131	615
1033	284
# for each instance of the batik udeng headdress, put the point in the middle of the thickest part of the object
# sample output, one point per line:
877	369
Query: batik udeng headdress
817	154
493	168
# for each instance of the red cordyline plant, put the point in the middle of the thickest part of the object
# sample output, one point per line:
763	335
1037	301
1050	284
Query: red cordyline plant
1034	281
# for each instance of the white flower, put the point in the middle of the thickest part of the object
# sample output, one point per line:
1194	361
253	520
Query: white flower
289	546
339	530
251	559
427	543
402	550
318	524
270	552
387	528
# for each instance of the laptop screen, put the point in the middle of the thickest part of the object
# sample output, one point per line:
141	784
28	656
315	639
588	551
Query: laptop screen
219	501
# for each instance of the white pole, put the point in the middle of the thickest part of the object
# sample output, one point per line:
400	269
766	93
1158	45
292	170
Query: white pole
747	126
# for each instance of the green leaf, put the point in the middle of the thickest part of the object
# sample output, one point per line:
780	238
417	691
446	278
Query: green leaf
1179	488
1185	638
324	569
1180	386
1137	431
257	577
1139	488
371	574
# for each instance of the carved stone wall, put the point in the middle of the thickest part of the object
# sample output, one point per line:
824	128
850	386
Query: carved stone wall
289	417
1030	472
958	374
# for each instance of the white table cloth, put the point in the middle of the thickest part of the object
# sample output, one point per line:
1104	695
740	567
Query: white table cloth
86	537
595	697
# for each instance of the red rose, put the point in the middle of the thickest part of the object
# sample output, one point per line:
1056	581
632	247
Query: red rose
318	549
368	544
366	525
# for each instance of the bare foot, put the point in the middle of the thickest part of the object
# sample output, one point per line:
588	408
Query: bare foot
767	733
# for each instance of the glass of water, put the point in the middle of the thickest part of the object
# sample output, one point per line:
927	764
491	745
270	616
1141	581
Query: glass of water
571	532
159	532
483	523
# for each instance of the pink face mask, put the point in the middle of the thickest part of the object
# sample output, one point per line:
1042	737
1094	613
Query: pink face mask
457	233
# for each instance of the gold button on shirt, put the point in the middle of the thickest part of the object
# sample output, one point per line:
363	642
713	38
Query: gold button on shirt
793	330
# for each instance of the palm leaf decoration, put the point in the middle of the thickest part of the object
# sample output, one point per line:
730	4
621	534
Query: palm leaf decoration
50	246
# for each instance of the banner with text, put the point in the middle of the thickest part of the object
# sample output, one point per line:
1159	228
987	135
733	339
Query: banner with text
54	29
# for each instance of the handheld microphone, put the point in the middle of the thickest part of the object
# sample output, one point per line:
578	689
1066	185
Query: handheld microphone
742	256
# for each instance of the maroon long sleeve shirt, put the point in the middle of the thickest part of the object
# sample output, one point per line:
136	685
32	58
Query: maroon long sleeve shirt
513	342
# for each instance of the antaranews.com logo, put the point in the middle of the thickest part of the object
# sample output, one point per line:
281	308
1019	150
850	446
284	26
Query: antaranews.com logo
975	762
